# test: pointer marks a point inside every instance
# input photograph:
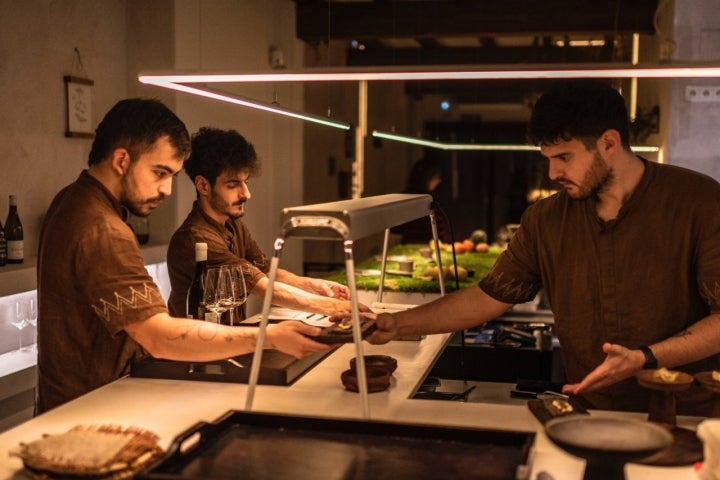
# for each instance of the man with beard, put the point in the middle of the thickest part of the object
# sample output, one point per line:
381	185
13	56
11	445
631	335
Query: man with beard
99	308
628	254
219	166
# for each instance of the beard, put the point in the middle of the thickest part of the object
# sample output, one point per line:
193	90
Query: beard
597	177
218	204
129	198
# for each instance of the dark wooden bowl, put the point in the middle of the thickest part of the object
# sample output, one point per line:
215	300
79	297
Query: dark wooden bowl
377	361
378	379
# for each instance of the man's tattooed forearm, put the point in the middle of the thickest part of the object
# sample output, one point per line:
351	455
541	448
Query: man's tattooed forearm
684	333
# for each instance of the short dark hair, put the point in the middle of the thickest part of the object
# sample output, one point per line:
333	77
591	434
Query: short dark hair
136	124
215	150
578	109
420	175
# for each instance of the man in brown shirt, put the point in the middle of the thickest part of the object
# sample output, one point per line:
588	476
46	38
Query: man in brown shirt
99	308
220	165
628	253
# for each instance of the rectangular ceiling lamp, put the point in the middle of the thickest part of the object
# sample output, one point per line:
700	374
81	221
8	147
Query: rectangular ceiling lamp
536	71
477	146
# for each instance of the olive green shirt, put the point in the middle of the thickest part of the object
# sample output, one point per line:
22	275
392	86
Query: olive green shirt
636	280
92	283
228	244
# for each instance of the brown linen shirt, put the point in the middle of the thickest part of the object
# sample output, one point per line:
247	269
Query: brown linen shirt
228	244
635	280
92	282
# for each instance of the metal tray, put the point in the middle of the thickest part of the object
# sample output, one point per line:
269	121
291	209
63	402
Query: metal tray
272	447
277	368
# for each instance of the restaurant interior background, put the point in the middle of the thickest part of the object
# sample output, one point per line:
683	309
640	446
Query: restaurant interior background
110	41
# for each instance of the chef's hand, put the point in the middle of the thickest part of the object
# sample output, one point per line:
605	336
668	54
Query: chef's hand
619	364
386	328
327	288
294	338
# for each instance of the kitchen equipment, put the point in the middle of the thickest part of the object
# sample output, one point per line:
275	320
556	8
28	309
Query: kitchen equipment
271	447
607	444
277	368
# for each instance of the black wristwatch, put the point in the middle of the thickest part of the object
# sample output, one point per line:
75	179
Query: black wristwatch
650	360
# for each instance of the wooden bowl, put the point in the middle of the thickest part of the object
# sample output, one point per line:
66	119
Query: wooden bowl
377	361
645	379
705	379
378	379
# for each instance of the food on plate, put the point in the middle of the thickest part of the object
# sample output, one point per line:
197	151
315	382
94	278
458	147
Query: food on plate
99	452
562	406
664	375
715	375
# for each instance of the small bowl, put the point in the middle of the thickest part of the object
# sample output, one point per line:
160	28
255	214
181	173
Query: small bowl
377	361
378	379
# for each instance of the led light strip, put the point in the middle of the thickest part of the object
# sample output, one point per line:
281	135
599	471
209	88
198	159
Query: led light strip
478	146
248	102
549	71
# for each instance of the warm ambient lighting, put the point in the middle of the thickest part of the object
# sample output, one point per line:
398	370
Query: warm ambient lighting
548	71
248	102
477	146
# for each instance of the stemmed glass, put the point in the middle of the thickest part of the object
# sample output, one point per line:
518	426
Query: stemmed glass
239	290
32	316
19	321
218	292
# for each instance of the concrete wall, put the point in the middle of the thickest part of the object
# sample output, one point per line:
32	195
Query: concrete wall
692	137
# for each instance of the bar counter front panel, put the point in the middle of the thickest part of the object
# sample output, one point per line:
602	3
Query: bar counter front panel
169	407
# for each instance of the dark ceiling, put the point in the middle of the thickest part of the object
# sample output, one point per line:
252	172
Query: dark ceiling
476	32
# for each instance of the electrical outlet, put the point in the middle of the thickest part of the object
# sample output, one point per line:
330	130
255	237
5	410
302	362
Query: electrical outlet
702	93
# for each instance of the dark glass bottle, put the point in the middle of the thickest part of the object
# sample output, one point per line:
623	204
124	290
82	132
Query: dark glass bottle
195	307
14	234
3	247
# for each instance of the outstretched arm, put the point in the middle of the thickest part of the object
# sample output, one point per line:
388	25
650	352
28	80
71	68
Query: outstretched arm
293	297
195	340
459	310
698	341
317	286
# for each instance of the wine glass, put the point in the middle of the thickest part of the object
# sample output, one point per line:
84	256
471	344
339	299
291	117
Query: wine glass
239	290
218	293
32	316
19	321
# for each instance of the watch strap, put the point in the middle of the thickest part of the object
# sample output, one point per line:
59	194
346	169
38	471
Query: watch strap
650	360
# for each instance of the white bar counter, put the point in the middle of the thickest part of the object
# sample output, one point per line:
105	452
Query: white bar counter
169	407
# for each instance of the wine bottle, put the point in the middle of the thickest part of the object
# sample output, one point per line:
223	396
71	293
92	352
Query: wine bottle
195	307
14	234
3	247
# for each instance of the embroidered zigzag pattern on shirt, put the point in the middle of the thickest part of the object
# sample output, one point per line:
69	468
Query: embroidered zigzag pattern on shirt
136	298
712	293
511	289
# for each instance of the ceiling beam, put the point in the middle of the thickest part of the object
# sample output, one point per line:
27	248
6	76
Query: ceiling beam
319	21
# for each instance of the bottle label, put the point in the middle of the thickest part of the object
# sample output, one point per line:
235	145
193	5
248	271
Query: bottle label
15	250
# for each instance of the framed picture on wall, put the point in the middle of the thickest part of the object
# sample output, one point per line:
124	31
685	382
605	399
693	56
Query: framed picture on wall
78	95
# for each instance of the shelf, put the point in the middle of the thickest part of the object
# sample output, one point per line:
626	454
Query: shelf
18	278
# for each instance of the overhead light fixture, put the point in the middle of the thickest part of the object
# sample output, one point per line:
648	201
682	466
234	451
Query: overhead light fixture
497	72
208	92
478	146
